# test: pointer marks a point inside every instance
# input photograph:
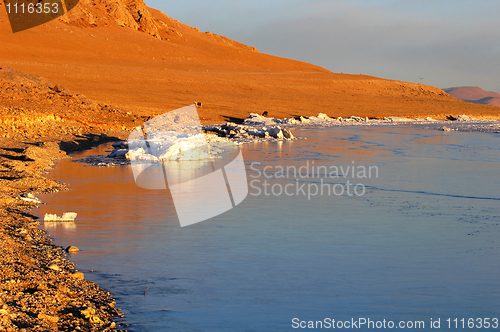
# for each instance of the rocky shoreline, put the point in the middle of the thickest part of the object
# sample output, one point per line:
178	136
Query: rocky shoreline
40	288
40	122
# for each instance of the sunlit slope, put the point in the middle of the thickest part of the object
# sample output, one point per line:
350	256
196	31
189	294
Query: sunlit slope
127	54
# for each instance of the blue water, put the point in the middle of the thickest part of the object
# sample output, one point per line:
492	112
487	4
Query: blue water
421	243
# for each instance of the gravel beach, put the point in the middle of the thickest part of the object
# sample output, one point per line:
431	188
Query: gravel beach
40	288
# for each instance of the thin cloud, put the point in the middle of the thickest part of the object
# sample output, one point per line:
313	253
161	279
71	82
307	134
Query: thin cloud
444	50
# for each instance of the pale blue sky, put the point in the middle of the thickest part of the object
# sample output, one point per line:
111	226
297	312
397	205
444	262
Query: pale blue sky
448	42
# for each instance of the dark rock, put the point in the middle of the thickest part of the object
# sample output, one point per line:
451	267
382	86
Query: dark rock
72	249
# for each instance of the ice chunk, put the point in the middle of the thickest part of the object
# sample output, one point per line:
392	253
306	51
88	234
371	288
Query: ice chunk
66	217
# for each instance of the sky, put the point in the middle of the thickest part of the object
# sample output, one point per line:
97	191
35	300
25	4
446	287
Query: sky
447	43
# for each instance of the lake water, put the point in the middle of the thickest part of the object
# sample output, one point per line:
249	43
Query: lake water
420	242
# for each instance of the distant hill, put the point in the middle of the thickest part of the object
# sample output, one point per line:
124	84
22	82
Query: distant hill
474	94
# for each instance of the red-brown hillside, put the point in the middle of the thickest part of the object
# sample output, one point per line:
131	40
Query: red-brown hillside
124	53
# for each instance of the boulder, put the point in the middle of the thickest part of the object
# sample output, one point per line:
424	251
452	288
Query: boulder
119	154
287	133
52	319
276	132
54	267
58	88
72	249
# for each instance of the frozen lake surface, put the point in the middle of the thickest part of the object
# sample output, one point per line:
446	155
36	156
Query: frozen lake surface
420	242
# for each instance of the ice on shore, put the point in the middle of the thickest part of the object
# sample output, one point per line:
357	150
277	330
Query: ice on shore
459	123
169	146
174	136
28	197
66	217
322	119
472	127
246	133
175	146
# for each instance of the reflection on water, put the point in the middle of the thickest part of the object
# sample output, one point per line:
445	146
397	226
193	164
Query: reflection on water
52	225
421	243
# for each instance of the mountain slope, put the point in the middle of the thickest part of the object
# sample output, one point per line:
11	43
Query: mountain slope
133	14
474	94
124	53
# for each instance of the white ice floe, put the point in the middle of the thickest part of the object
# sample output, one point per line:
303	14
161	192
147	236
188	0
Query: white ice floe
187	147
66	217
181	147
172	146
245	133
30	198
